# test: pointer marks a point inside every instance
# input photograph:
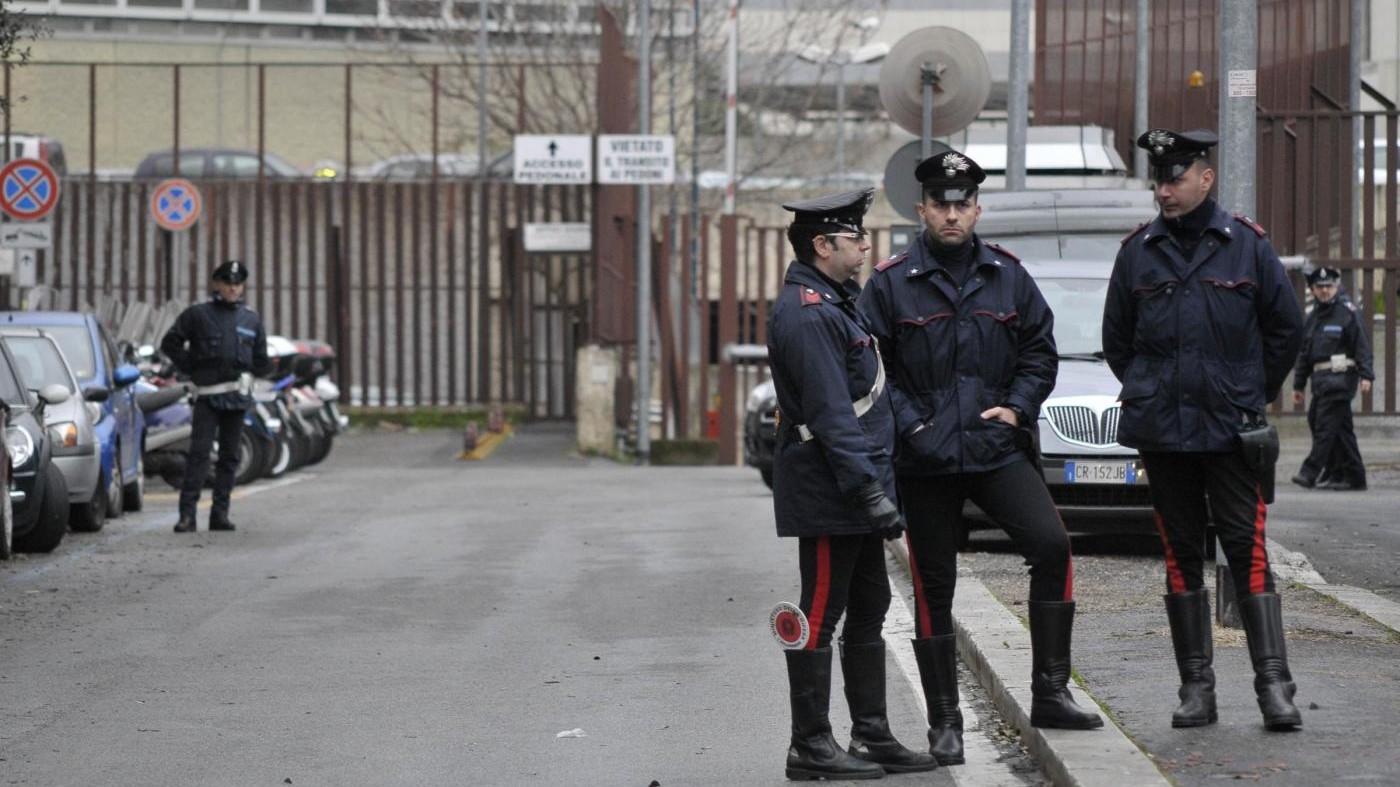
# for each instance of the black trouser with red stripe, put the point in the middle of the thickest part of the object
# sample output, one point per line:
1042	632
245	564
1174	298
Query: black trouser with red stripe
843	574
1188	489
1016	499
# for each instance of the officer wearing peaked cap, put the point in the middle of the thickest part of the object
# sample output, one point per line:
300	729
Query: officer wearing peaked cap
833	489
1201	327
220	344
968	340
1336	357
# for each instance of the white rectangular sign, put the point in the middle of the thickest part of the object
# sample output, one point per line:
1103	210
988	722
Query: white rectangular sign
1243	84
559	236
26	235
558	158
636	158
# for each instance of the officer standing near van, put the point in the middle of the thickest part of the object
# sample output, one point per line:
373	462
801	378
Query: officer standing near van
1201	327
968	339
220	344
1336	356
833	490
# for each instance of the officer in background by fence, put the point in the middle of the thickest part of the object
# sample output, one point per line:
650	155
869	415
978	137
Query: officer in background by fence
1201	326
220	344
1336	356
833	489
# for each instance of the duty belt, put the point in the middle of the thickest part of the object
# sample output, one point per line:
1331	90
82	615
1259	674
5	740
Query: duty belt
861	405
244	384
1335	364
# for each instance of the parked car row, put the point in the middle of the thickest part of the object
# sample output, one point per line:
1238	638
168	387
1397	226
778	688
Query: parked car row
83	429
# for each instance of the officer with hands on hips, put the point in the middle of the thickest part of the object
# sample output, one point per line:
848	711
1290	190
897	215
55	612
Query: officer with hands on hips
220	344
1336	356
833	489
1201	326
968	341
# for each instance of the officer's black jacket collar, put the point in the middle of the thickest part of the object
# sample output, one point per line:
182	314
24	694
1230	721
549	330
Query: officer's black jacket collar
218	300
808	276
922	262
1218	222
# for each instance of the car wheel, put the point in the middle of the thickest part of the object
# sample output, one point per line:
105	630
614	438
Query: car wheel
281	458
251	458
115	498
91	515
134	493
48	531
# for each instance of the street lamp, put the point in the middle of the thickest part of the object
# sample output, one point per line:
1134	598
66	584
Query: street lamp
868	53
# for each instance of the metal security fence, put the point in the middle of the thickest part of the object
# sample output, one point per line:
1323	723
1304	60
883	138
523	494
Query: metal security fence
423	288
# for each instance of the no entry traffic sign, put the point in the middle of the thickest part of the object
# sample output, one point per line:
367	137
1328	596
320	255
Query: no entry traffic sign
28	189
175	204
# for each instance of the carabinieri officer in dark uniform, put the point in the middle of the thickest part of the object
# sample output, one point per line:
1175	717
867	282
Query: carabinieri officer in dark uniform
1201	326
967	338
220	344
1336	356
833	489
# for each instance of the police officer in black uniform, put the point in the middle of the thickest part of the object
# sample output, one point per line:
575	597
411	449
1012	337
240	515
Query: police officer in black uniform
1336	356
1201	326
220	344
967	337
833	489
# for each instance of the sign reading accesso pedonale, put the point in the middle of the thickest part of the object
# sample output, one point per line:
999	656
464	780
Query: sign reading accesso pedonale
558	158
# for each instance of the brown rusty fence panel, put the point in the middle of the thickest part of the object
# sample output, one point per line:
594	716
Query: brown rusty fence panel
388	272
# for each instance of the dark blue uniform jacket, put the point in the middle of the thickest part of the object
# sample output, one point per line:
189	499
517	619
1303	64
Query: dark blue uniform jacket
1201	344
823	358
952	355
214	342
1334	328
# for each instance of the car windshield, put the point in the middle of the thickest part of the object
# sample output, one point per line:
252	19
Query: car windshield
77	348
1085	246
39	362
1078	308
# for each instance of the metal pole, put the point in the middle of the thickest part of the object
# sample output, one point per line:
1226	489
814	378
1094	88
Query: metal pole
928	78
731	110
840	116
644	244
1358	32
1239	55
1017	99
1142	71
481	87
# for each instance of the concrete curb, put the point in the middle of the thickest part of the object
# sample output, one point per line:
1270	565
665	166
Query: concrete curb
995	644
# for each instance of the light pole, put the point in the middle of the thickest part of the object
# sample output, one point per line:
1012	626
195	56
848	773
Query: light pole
866	53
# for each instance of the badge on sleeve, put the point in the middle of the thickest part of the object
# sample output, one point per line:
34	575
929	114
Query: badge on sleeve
789	626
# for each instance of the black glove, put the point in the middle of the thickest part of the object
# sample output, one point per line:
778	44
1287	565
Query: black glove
878	509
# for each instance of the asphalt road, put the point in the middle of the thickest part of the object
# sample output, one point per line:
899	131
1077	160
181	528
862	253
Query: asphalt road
398	617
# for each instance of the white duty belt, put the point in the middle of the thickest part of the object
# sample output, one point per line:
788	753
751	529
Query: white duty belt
1337	363
244	384
861	405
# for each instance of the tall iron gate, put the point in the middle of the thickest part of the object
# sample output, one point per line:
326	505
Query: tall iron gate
423	288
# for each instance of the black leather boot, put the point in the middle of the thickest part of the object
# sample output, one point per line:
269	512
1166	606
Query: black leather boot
1189	615
863	667
221	523
185	525
1052	624
813	753
938	672
1273	683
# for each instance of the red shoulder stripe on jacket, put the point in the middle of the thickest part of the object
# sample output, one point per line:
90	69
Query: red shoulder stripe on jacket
893	261
1248	222
810	296
1133	234
1000	250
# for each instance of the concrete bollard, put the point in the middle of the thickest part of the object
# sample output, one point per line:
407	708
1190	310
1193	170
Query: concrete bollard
470	437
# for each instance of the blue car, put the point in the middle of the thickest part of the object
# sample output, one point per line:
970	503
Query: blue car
121	427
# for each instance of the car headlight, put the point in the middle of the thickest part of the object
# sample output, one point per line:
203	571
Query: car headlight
21	446
64	434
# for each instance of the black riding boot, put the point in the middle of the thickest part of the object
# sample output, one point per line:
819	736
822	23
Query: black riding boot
863	667
813	753
1273	683
1051	704
1189	615
938	671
